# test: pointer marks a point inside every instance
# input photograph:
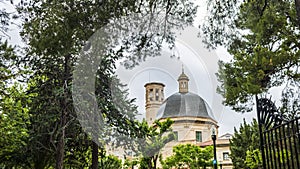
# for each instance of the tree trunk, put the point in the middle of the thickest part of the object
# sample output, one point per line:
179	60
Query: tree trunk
297	4
95	146
154	161
95	151
60	150
150	163
61	143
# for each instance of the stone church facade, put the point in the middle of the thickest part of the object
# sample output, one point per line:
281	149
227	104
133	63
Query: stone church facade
192	116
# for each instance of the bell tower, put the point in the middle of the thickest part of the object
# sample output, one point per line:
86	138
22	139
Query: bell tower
154	98
183	82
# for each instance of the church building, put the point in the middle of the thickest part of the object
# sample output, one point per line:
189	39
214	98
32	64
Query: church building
192	116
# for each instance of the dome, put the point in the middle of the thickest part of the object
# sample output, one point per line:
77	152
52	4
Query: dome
184	105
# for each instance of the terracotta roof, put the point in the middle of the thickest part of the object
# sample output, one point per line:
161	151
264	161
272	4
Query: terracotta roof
206	143
219	143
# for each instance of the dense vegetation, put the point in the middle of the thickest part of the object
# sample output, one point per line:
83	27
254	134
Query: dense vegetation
188	155
244	146
263	38
39	125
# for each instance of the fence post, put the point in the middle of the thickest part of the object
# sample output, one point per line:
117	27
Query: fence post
258	110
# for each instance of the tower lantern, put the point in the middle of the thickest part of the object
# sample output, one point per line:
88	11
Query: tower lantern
183	82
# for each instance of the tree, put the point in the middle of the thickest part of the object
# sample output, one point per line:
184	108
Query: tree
14	119
130	163
153	139
9	68
14	101
55	33
5	19
188	155
254	159
262	37
245	142
110	161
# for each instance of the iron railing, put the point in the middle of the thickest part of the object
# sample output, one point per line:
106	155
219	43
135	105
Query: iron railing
279	137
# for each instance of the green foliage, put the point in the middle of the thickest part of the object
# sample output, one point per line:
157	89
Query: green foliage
188	155
59	28
291	100
254	159
9	69
14	121
4	19
130	163
109	162
55	32
154	138
243	141
106	161
262	37
14	101
283	154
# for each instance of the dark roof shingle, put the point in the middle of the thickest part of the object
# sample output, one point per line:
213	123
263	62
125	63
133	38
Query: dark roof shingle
184	104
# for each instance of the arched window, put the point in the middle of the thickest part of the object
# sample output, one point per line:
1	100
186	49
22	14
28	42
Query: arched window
151	94
182	84
156	95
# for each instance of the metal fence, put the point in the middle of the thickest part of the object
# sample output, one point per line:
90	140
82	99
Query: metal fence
279	137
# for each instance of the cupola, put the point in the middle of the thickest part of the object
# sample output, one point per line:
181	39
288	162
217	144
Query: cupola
183	82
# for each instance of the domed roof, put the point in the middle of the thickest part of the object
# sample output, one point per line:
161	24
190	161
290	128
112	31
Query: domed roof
184	105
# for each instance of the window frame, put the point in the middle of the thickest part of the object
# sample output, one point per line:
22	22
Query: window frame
197	139
226	156
176	135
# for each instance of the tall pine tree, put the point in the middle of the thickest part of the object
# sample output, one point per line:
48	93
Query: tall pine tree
245	139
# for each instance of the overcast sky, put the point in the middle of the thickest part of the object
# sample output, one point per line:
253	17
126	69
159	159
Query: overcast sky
199	64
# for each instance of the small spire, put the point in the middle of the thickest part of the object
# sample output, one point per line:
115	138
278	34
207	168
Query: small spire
183	82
